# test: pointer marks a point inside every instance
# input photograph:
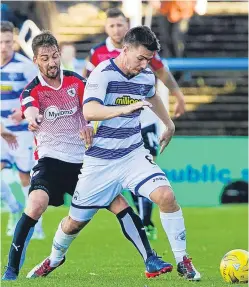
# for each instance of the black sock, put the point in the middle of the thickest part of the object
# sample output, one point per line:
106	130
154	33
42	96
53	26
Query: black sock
23	226
133	230
135	200
147	210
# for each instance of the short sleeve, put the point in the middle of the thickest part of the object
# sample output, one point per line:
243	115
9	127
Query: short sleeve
29	97
96	87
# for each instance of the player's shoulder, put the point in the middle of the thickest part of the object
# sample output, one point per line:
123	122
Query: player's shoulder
19	58
98	47
103	66
67	73
28	90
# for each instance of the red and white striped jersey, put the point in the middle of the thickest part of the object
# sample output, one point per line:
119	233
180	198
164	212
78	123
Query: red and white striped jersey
61	108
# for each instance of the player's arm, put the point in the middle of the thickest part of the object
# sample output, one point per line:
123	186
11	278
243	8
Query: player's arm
91	63
96	111
30	108
9	137
169	81
94	98
85	73
159	109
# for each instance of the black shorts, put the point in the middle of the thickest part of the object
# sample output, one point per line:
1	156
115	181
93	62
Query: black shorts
55	177
150	139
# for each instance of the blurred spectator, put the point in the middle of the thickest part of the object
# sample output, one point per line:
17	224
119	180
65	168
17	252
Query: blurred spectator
68	59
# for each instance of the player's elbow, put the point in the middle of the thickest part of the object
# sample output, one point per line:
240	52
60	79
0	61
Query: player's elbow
88	113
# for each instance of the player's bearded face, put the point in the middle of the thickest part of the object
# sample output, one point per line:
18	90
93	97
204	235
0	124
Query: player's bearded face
116	28
137	59
48	61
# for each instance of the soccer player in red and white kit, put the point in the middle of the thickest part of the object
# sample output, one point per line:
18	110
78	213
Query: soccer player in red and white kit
52	105
116	28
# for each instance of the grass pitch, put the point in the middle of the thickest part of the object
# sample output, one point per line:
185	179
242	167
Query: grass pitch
101	256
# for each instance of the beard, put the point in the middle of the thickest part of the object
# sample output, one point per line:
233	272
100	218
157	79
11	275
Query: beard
53	72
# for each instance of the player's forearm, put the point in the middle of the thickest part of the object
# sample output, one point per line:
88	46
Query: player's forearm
159	109
94	111
31	113
169	81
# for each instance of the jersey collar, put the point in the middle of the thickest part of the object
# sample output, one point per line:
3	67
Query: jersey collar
44	83
110	47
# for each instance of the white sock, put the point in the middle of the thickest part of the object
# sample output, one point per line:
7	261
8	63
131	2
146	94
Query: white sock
8	197
25	190
173	225
61	243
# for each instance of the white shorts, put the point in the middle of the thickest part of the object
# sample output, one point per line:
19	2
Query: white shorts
23	156
100	182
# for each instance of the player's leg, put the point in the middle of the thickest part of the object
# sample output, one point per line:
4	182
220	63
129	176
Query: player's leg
7	196
37	203
134	231
150	138
24	160
152	183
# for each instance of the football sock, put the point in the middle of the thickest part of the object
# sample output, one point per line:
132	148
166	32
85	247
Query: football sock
21	233
61	243
147	210
173	224
8	197
133	230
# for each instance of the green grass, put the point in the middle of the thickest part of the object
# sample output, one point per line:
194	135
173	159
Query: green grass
101	256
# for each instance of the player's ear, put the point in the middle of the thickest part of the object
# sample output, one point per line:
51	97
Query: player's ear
125	49
35	59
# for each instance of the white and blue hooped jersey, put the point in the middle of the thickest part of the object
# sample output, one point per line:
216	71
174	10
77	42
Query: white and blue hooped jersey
14	76
108	85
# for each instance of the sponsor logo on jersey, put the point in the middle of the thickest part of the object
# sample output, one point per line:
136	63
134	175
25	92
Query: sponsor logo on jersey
126	100
92	86
52	113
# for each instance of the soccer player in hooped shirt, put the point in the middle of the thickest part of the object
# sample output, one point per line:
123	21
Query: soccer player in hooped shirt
114	94
116	27
52	105
15	73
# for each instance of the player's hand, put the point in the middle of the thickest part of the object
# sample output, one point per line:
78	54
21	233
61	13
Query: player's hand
16	116
34	124
86	134
10	139
126	110
179	107
166	137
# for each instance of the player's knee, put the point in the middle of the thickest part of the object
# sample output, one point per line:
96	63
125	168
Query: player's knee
37	204
118	204
164	197
70	226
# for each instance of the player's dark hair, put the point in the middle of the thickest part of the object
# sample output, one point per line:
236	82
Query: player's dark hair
7	26
142	36
44	39
114	13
